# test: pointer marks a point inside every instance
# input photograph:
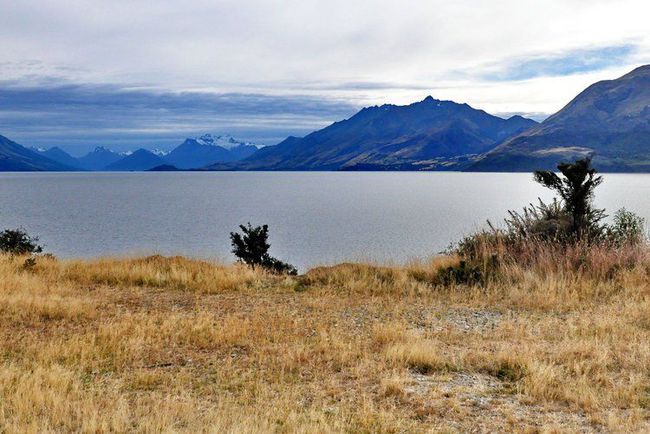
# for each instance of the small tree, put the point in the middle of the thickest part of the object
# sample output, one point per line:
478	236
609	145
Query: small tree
576	188
17	242
251	247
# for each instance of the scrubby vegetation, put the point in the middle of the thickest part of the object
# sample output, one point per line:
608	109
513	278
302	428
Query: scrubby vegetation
537	326
568	231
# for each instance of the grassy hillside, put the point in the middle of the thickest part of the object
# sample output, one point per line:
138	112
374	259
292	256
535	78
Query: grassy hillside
609	120
556	343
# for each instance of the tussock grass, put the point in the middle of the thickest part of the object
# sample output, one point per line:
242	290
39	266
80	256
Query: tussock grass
553	341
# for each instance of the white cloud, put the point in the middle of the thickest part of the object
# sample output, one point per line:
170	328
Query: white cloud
363	51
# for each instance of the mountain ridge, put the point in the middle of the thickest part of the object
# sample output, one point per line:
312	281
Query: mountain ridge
59	155
609	121
426	134
139	160
15	157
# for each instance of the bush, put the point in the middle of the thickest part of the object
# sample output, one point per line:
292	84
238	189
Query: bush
251	247
543	222
460	274
627	228
277	266
18	242
567	233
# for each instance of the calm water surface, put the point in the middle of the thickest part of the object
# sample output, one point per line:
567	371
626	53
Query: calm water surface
314	217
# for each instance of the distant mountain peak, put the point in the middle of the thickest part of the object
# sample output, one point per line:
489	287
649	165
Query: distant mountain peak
141	159
225	141
431	100
159	152
209	149
98	158
99	149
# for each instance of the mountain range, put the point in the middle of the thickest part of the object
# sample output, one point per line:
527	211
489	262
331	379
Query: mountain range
610	121
426	135
193	153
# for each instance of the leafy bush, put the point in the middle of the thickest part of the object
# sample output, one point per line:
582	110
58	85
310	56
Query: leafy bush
251	247
627	228
18	242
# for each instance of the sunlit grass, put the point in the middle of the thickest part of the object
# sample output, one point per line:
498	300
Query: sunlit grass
171	344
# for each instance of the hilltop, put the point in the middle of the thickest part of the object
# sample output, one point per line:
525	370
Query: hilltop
609	120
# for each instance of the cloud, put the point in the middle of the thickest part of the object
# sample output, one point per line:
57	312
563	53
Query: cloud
79	117
562	64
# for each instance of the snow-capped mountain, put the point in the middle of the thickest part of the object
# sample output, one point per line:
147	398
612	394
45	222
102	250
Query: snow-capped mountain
99	158
139	160
159	152
195	153
59	155
225	141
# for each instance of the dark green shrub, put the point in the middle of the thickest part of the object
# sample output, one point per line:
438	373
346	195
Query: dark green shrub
18	242
277	266
251	247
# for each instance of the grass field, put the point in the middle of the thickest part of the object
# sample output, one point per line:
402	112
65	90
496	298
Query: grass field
175	345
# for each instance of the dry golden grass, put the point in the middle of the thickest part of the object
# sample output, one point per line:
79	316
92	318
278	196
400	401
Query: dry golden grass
175	345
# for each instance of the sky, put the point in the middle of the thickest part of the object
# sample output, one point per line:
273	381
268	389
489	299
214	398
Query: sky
133	73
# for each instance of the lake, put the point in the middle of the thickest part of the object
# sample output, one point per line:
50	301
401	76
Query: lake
314	217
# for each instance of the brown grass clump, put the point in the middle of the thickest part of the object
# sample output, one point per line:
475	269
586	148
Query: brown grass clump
557	342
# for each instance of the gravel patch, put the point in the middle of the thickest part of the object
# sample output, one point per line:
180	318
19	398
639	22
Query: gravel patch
470	320
494	403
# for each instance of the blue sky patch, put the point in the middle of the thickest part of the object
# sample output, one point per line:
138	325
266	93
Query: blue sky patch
568	63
